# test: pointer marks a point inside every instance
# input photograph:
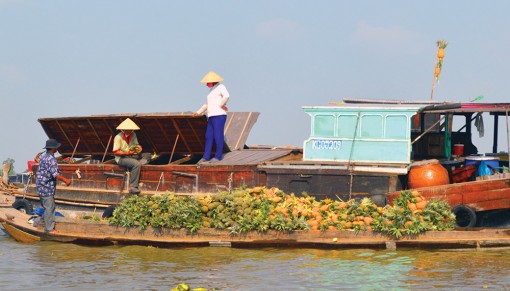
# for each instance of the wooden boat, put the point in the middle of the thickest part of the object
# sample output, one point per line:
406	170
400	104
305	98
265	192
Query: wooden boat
88	232
357	149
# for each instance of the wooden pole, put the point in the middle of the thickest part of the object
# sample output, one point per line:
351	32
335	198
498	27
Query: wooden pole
75	147
106	149
433	81
428	129
173	149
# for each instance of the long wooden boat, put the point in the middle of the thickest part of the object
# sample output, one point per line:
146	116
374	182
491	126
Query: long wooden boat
357	149
87	232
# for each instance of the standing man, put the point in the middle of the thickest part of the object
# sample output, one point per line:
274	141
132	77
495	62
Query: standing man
216	108
46	183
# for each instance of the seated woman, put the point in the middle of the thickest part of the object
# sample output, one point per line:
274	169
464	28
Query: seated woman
127	152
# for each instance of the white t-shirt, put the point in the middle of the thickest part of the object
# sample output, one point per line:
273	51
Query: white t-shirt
217	97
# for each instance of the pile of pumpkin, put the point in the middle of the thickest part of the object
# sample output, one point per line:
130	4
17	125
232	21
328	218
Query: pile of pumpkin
263	209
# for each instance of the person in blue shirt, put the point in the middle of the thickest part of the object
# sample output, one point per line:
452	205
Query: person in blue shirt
46	182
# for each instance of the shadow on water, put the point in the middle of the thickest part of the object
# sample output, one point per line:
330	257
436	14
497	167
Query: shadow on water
54	266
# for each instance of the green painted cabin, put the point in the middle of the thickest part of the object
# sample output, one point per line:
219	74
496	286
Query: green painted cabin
360	133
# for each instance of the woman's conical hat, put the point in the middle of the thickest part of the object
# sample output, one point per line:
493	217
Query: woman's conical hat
128	124
211	77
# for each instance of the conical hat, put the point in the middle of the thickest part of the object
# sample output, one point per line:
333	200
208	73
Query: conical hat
128	124
211	77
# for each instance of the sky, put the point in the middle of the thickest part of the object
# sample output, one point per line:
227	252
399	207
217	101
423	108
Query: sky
77	58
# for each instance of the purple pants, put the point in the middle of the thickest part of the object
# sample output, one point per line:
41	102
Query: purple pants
214	133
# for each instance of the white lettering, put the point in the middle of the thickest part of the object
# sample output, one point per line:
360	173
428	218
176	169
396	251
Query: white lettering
323	144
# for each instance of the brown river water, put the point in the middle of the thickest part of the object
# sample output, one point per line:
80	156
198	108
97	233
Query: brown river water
57	266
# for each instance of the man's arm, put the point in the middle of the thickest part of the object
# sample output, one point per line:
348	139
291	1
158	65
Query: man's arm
63	179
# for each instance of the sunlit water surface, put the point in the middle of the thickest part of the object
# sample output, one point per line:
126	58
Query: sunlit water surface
56	266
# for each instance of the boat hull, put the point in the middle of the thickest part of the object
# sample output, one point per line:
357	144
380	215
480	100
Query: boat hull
481	195
101	233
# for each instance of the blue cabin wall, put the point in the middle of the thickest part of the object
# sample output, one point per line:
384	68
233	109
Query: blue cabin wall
358	134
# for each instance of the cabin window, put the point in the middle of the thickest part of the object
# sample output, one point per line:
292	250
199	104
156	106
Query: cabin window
372	126
346	126
396	126
324	125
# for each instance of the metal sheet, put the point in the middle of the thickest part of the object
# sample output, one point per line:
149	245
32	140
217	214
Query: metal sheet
249	157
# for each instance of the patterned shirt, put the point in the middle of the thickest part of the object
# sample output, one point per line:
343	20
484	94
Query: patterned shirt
46	175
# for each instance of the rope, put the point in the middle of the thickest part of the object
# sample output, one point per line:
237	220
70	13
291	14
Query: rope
349	165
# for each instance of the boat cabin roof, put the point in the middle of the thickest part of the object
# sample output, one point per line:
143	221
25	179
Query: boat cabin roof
462	108
160	133
427	106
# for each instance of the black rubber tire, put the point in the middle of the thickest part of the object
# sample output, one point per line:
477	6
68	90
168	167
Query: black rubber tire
465	216
108	212
23	205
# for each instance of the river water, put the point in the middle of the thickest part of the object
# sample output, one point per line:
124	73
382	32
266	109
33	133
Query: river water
57	266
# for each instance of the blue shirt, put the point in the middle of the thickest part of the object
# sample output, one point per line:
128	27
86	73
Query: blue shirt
46	175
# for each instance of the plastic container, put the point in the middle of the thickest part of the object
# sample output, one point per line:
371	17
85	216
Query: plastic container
492	162
458	149
427	173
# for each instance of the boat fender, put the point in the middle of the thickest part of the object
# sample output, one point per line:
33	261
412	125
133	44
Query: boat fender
108	212
23	205
465	216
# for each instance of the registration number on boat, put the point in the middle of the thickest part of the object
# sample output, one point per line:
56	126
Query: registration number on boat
324	144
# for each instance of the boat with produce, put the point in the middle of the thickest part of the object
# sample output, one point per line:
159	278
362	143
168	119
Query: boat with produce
357	149
262	217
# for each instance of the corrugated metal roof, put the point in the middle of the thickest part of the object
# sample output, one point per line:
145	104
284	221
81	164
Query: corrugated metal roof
160	132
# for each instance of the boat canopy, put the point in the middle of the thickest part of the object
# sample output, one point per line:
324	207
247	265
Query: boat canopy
160	133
